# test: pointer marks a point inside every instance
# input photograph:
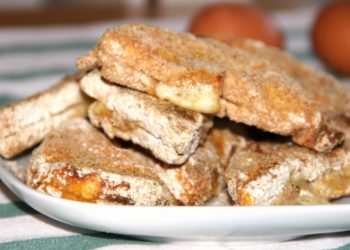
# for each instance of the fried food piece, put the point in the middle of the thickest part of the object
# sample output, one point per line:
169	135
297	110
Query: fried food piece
170	132
198	180
331	97
336	183
266	92
208	76
271	173
165	58
78	162
26	122
227	139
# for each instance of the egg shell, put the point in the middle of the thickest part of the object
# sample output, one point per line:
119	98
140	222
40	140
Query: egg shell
331	36
237	20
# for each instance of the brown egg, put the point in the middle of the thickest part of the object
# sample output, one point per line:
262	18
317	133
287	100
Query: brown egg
237	20
331	36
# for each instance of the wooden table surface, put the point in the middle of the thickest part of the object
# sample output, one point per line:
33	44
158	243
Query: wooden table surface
59	14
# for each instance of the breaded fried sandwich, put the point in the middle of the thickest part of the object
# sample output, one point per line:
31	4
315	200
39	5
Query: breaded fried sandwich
170	132
175	119
208	76
78	162
273	173
26	122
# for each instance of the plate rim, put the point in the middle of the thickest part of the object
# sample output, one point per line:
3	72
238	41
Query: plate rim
22	186
225	214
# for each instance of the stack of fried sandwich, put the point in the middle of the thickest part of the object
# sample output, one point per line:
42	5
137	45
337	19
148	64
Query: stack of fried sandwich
156	117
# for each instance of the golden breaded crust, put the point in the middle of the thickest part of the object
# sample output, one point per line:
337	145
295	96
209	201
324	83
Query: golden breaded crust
210	77
331	97
170	132
78	162
276	174
32	134
198	180
121	74
227	138
27	121
142	48
336	183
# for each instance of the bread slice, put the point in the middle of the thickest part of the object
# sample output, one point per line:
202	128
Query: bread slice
25	123
272	173
336	183
208	76
170	132
227	138
332	98
78	162
198	180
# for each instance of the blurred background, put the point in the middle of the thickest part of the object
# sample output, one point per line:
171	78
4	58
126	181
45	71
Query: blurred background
48	12
40	39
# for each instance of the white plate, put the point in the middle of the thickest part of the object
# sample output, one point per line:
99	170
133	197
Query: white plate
194	223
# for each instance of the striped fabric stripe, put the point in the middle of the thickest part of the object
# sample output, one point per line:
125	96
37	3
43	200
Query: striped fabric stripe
69	242
15	209
290	245
345	247
32	226
39	232
15	89
46	47
4	99
51	59
84	241
23	75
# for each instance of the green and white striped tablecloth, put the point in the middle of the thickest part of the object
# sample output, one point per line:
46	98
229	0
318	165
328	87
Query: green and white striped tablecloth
32	59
